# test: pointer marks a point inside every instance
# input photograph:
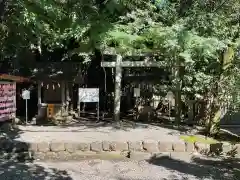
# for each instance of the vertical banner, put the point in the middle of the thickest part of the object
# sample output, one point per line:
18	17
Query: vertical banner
7	100
50	110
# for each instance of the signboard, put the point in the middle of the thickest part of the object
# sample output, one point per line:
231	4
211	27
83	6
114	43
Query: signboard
88	94
136	92
50	110
26	94
171	98
7	100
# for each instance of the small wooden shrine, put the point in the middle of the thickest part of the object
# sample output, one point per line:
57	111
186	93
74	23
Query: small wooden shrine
55	90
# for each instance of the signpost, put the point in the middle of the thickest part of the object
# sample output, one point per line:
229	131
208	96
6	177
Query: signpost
136	92
50	110
171	102
26	97
87	95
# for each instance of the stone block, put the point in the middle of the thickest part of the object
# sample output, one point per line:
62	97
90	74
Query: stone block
135	146
21	156
189	147
6	145
202	147
118	146
57	146
71	147
216	148
179	147
21	146
235	150
150	146
33	147
50	155
43	147
106	145
64	155
165	146
227	148
84	146
96	146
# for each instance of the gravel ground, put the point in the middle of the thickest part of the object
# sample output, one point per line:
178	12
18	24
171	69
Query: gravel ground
161	168
91	134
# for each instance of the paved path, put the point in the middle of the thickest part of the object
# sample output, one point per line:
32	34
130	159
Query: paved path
163	168
91	134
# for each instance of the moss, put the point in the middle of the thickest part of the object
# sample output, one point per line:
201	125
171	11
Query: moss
196	138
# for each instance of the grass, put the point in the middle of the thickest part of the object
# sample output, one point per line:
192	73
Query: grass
199	139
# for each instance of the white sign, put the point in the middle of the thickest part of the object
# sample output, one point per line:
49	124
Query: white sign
88	94
26	94
171	98
136	92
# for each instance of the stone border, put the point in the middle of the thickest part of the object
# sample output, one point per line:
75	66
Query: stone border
116	146
83	148
97	146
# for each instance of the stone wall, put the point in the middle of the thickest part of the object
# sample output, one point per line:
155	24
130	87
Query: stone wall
109	150
107	146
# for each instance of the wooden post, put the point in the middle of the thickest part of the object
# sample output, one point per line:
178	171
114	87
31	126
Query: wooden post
67	97
79	103
14	101
71	89
118	80
63	97
191	105
178	100
39	93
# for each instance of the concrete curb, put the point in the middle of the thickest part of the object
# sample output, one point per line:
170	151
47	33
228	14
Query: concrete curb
97	146
86	148
116	146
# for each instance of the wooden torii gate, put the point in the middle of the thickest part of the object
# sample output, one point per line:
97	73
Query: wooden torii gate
118	65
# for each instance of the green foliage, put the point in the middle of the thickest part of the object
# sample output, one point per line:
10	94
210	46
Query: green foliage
194	35
198	139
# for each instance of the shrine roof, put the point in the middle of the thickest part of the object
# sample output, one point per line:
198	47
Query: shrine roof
9	77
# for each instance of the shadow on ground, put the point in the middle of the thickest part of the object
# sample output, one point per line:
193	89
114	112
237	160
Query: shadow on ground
16	165
126	124
201	168
227	135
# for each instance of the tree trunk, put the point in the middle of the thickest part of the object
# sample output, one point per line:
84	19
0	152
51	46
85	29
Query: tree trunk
212	125
215	122
178	86
3	7
206	112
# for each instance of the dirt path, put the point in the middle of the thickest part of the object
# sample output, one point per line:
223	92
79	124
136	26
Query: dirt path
180	167
91	134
